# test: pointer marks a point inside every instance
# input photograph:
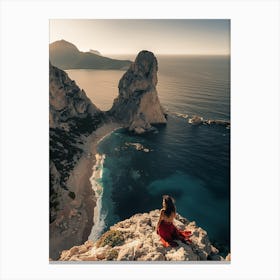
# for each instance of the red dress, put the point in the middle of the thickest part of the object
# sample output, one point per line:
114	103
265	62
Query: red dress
168	233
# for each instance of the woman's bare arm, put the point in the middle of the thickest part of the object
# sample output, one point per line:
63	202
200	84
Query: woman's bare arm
160	218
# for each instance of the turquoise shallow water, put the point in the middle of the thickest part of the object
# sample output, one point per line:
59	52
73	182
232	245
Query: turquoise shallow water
190	163
194	172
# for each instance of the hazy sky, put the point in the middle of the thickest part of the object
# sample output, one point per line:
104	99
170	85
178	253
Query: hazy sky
159	36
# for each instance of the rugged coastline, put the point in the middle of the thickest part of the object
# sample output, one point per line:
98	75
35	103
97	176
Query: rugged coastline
72	119
74	222
77	126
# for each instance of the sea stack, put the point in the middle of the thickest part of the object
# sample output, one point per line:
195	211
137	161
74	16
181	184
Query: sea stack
138	105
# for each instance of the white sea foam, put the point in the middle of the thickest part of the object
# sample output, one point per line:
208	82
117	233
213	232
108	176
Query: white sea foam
98	217
108	134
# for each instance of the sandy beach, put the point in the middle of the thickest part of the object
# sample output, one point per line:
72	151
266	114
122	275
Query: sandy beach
75	220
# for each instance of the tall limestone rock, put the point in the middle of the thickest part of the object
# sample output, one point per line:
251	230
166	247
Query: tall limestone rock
138	105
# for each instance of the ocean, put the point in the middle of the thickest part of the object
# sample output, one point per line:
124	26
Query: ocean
190	163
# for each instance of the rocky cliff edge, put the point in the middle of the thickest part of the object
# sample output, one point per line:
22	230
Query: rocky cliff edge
135	239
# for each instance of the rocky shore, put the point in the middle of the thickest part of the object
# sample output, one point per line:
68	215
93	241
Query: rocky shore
198	120
135	239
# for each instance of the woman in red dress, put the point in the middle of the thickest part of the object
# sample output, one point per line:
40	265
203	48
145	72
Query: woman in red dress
165	227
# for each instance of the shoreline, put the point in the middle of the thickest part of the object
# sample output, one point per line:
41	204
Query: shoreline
90	152
98	190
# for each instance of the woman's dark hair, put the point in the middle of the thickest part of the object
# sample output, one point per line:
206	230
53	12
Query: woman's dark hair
168	205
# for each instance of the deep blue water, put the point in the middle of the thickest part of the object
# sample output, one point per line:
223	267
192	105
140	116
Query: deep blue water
191	163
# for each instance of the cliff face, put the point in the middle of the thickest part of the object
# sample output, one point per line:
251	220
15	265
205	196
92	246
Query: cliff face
68	103
72	117
135	239
138	104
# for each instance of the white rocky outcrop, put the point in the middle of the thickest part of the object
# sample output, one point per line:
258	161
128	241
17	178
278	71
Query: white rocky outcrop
138	105
196	120
135	239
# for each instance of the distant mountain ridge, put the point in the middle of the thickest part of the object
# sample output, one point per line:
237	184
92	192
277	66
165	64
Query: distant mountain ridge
66	55
95	52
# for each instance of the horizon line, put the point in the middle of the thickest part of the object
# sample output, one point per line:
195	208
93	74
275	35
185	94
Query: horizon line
197	54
